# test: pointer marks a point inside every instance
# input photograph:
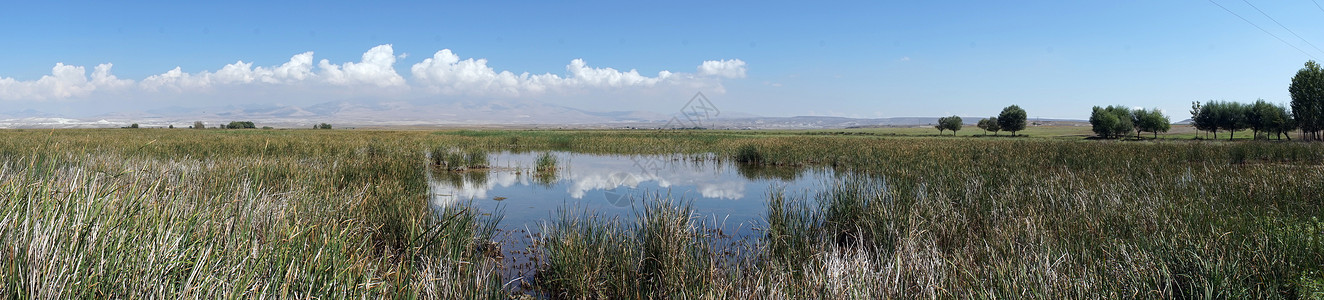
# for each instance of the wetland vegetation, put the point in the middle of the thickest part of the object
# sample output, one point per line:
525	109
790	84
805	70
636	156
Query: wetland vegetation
340	214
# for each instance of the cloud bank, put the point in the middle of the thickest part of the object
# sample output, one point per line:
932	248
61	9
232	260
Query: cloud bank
65	81
444	73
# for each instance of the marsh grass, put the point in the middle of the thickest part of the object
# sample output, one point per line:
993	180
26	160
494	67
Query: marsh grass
98	217
665	253
585	255
1025	218
546	170
458	159
748	154
341	214
546	162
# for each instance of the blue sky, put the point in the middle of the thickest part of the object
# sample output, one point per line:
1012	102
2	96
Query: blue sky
856	59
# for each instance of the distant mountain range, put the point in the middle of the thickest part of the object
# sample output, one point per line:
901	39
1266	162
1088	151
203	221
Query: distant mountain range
527	114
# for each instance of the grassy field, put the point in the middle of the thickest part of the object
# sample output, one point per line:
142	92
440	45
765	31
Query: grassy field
343	213
1059	130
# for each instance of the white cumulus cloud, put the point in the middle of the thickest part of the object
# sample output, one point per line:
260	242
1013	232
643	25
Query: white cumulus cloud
176	80
376	68
729	68
102	78
65	81
445	73
298	69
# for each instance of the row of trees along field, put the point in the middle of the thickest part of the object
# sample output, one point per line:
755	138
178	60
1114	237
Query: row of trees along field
1116	121
952	123
1306	111
238	125
1011	119
1259	117
1264	119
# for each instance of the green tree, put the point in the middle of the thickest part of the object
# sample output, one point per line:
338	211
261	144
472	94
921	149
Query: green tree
988	124
1228	116
1103	123
1206	120
1151	120
1194	115
1269	119
199	125
323	126
241	125
993	125
1012	119
1307	90
1259	117
1282	123
952	123
1113	121
1137	116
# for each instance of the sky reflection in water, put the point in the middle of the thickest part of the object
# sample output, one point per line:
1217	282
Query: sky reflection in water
610	185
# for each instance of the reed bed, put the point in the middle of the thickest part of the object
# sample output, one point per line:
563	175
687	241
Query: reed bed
98	217
667	252
339	214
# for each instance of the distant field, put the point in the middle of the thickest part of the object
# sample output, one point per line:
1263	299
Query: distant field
157	213
1075	131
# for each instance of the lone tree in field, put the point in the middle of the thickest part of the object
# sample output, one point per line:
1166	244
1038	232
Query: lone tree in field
1111	122
199	125
1012	119
952	123
1307	91
1151	120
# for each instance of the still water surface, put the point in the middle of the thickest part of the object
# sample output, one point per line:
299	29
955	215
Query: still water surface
723	193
